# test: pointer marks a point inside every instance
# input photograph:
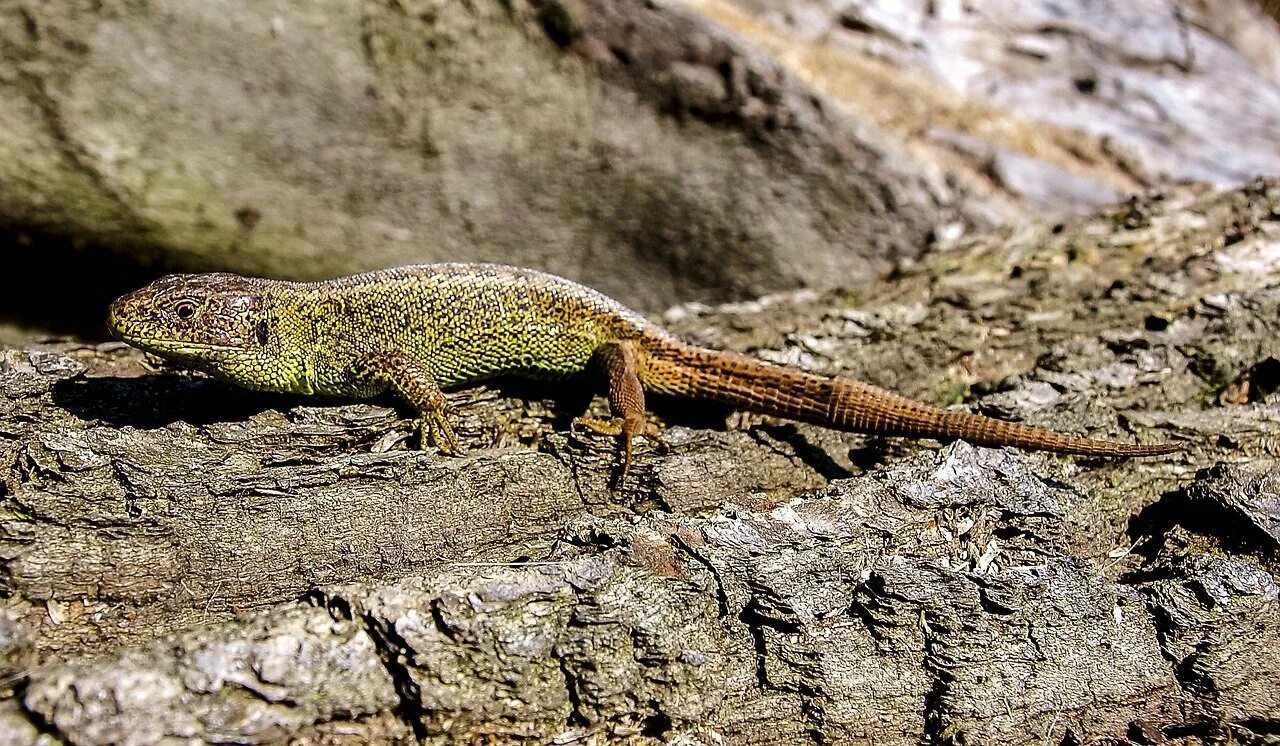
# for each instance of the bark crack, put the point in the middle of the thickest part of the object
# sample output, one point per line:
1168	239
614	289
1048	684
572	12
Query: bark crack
722	596
391	650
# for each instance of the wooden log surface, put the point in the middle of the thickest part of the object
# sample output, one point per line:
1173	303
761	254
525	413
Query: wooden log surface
184	559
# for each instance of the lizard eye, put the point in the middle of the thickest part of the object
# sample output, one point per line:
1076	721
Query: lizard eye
261	332
185	310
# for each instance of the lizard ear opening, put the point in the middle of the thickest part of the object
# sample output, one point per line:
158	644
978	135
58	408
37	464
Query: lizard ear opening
261	332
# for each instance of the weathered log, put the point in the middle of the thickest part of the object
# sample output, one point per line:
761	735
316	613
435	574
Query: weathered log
268	568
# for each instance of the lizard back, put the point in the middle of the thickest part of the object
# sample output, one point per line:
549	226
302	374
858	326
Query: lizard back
462	322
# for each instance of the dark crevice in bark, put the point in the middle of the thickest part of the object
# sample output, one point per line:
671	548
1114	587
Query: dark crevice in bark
337	606
756	621
437	618
574	468
813	713
934	722
37	720
935	712
577	716
992	606
755	627
722	596
392	650
1261	728
858	609
657	725
1206	715
1198	690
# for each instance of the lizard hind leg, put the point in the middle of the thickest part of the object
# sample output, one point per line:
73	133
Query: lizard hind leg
620	362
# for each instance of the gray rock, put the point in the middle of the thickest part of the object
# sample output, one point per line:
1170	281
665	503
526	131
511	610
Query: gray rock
606	140
1062	103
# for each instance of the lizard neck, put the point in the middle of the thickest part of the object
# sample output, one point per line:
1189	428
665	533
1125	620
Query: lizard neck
295	346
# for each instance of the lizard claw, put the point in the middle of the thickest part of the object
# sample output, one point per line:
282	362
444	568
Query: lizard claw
434	428
612	427
626	429
656	437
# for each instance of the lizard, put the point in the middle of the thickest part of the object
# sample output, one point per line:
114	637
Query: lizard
420	330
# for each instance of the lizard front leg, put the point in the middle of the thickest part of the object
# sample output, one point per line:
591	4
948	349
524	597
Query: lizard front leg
400	372
620	361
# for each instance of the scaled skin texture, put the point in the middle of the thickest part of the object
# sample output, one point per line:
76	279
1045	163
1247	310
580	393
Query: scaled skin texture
421	329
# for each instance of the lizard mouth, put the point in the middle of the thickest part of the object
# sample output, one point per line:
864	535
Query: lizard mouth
179	346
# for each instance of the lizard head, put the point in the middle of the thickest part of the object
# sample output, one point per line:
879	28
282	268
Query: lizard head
218	323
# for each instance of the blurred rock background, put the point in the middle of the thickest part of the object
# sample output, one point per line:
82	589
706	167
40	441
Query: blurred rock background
662	151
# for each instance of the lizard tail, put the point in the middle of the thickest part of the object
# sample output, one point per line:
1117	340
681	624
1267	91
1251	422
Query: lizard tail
841	403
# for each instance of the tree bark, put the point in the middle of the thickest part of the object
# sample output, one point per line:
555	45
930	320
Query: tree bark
187	560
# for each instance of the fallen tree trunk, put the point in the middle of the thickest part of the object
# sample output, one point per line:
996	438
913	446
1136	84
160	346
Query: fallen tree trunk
182	559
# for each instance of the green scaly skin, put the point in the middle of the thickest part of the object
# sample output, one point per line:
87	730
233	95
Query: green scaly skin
422	329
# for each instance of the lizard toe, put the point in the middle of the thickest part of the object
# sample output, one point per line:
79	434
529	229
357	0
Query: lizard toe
612	428
436	431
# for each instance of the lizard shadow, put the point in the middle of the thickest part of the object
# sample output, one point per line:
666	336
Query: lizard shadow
159	400
818	458
162	399
569	400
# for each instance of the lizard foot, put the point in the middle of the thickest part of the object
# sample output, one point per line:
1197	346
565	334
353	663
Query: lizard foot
611	427
625	429
434	429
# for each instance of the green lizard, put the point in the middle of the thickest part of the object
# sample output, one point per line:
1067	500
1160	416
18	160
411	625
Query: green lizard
422	329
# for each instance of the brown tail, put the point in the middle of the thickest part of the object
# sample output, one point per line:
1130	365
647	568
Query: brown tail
845	404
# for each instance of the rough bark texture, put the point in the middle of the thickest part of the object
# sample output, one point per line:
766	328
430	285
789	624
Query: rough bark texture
188	560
